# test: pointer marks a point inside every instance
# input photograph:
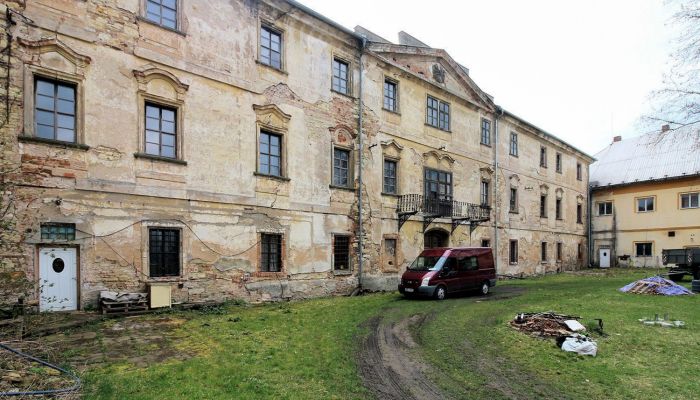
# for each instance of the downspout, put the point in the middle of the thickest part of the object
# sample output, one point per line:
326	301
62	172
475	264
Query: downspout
589	220
497	114
360	244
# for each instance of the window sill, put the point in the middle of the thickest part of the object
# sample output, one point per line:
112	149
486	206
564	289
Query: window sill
438	128
348	95
513	263
485	144
160	158
164	279
269	274
348	188
275	177
391	111
391	194
560	219
513	212
342	272
268	66
148	21
513	155
51	142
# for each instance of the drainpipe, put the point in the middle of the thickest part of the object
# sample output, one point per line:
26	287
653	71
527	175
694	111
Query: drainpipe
497	114
589	220
360	244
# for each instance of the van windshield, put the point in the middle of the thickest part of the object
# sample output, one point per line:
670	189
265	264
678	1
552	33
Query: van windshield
424	263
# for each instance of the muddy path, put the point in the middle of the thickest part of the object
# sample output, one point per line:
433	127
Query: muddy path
388	363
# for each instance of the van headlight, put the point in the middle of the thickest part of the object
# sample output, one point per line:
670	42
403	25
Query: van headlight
425	281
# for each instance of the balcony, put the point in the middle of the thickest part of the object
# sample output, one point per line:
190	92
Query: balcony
459	212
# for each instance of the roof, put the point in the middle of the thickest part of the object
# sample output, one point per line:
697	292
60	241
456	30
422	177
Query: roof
654	156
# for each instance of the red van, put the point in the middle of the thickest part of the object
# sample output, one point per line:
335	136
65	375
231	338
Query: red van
439	271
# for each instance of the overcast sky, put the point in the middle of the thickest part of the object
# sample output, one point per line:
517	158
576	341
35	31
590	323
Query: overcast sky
581	70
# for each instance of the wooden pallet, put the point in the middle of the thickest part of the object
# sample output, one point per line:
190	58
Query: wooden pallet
123	307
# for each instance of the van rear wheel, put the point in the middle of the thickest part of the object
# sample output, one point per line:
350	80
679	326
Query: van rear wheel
485	288
440	293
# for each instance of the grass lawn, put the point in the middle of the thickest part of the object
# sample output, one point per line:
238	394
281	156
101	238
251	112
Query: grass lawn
307	349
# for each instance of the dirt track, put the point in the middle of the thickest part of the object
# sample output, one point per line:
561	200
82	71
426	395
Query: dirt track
390	370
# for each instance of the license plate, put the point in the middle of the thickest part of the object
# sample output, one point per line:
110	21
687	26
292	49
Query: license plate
408	290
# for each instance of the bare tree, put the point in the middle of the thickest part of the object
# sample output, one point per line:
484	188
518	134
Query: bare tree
678	102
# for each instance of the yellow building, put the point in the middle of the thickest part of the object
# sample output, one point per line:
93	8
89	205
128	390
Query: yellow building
645	197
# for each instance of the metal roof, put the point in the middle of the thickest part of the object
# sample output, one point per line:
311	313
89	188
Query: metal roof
654	156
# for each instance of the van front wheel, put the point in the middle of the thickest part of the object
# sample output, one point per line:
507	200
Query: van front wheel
485	288
440	293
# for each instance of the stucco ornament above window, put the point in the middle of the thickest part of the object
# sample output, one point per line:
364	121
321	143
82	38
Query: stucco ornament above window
150	79
437	160
342	135
271	116
40	53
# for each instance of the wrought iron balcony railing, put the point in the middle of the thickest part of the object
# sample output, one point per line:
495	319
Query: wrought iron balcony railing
431	208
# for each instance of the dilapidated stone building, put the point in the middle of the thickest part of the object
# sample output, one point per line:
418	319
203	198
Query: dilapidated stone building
257	150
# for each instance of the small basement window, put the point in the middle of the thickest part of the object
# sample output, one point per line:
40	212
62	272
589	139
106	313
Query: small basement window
57	231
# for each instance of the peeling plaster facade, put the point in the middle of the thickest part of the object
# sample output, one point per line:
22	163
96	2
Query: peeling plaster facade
208	69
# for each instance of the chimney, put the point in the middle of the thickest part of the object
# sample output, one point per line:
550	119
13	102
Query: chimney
617	139
665	128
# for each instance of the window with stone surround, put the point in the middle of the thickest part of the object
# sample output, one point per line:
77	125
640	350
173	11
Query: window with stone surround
513	252
391	95
161	130
514	144
484	193
557	210
341	167
543	252
54	114
341	77
390	169
438	114
513	200
579	214
270	47
558	162
543	206
485	132
270	252
560	245
270	157
543	157
163	252
579	172
341	252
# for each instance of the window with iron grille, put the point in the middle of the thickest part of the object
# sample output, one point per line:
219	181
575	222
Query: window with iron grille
690	200
557	210
558	162
270	154
485	132
340	76
57	231
270	252
54	110
161	131
543	157
513	144
579	173
605	208
513	252
341	167
543	206
162	12
513	200
559	250
643	249
484	193
543	252
579	214
270	47
164	252
438	114
341	253
390	95
645	204
390	176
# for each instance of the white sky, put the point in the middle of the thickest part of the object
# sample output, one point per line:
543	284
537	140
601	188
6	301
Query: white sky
581	70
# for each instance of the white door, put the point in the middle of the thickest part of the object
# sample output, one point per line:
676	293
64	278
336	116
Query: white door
604	258
58	279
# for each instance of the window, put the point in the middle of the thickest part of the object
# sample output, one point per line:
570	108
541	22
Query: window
390	95
557	210
390	251
513	144
164	252
57	231
270	47
270	252
340	77
543	206
605	208
484	193
645	204
390	177
162	12
543	252
558	162
513	252
485	132
579	251
513	200
543	157
54	114
643	249
341	253
560	245
438	192
579	173
341	167
690	200
579	214
161	138
438	114
270	154
485	243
